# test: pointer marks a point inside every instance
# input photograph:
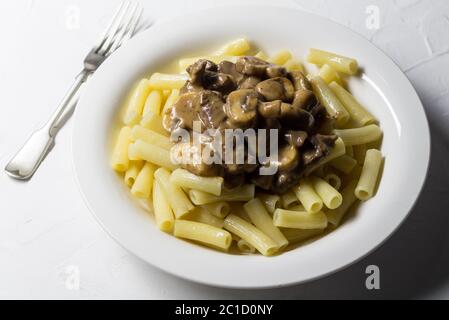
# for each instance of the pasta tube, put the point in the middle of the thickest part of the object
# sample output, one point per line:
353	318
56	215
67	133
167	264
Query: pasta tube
359	153
362	135
329	74
340	63
298	235
163	214
308	197
237	47
333	180
177	199
132	172
200	214
338	150
335	216
344	163
120	160
281	57
144	181
161	81
204	233
271	201
242	193
262	55
299	219
153	122
186	179
151	137
136	102
251	234
328	99
370	173
330	196
359	115
289	199
263	221
141	150
245	247
171	99
153	103
293	65
219	209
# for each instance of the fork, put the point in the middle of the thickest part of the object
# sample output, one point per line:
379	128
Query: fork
121	28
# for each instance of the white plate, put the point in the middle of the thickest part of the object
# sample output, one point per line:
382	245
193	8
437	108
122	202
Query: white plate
383	88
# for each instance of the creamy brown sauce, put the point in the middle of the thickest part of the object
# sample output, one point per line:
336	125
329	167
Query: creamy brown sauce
255	94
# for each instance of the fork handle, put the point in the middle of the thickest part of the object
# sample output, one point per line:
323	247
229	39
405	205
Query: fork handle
26	161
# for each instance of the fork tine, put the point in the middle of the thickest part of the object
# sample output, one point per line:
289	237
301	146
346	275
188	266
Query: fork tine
113	30
133	26
123	30
105	33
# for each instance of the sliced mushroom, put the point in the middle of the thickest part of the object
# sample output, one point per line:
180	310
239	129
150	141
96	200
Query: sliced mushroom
252	66
279	88
221	82
270	109
190	87
241	106
296	138
264	182
197	70
285	180
321	147
228	67
288	158
248	82
210	109
275	71
233	181
300	81
296	118
304	99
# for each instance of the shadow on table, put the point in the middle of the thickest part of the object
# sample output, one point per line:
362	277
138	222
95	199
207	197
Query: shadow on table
413	262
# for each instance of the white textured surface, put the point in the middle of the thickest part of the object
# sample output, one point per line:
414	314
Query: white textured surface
45	228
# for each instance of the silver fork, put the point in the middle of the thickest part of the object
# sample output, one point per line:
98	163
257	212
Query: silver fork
121	28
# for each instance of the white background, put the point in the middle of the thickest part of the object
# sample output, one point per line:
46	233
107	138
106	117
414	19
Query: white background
47	235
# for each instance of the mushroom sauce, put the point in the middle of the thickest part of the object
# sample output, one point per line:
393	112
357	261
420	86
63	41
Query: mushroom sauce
253	93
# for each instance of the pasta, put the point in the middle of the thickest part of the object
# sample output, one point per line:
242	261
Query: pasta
234	48
329	101
219	209
204	233
318	178
308	197
329	74
120	160
289	199
152	121
335	216
299	219
251	234
359	115
200	214
151	137
340	63
163	214
264	222
281	57
185	179
136	102
141	150
144	182
370	173
161	81
330	196
177	199
132	172
362	135
271	201
243	193
344	163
